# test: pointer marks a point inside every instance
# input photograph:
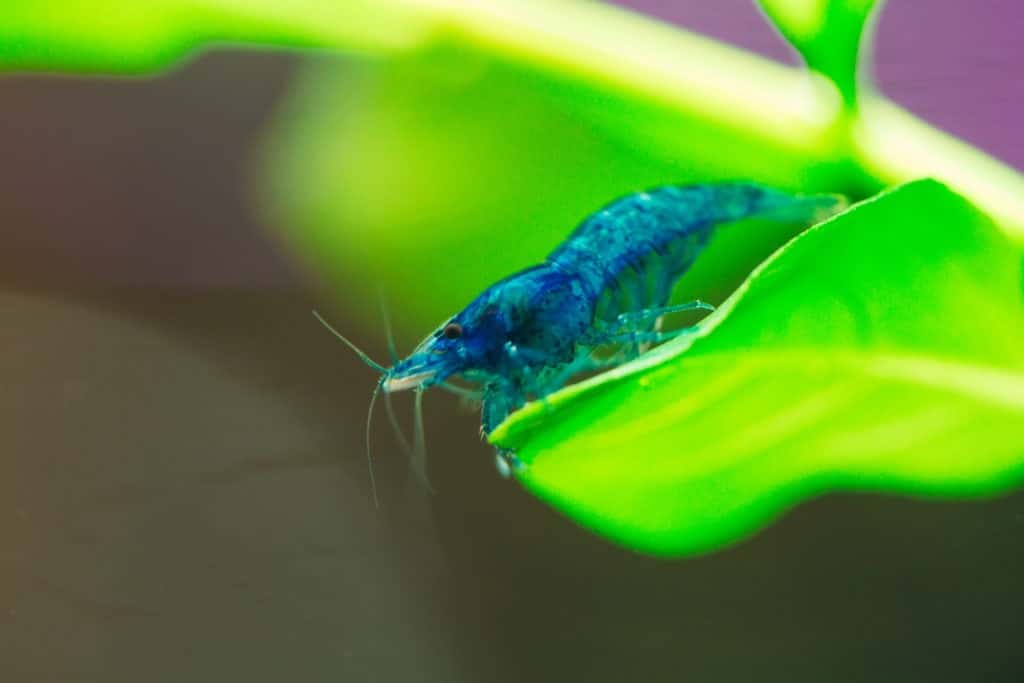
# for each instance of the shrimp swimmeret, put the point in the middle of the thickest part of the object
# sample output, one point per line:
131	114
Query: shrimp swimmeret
607	284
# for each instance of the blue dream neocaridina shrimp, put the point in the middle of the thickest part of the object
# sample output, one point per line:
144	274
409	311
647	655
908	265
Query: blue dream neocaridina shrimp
607	284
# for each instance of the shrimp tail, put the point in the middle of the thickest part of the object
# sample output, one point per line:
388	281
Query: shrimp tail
808	208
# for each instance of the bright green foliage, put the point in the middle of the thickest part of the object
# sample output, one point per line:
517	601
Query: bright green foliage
828	33
432	174
469	138
146	35
882	350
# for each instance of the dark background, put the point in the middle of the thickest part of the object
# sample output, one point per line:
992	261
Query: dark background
183	492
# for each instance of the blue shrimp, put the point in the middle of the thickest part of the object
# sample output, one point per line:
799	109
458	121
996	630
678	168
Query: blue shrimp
608	284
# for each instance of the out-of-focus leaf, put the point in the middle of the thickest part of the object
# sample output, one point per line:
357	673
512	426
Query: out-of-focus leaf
882	350
433	175
148	35
469	138
828	33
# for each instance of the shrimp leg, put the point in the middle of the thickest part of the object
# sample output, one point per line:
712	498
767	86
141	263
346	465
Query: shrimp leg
649	337
633	318
627	330
585	363
471	395
500	399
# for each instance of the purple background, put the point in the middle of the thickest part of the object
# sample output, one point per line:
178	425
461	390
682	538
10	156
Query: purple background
956	63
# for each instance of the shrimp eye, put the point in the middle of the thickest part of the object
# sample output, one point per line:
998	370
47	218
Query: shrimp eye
452	331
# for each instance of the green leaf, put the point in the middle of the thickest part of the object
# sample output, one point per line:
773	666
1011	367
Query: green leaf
148	35
828	33
458	141
882	350
431	174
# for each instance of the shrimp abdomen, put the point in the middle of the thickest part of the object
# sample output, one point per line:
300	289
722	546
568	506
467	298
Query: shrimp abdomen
633	251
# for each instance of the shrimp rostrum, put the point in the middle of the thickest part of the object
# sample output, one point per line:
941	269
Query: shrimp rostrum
606	286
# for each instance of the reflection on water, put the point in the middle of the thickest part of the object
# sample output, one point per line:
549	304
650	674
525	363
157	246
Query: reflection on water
185	497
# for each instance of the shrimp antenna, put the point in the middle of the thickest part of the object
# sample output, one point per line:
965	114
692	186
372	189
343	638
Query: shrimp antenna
387	329
362	355
369	458
419	448
416	454
416	461
397	428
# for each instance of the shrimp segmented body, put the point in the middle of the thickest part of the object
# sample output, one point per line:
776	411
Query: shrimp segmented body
608	284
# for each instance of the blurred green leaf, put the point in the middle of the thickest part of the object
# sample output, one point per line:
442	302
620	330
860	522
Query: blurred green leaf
148	35
882	350
432	175
828	33
466	139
